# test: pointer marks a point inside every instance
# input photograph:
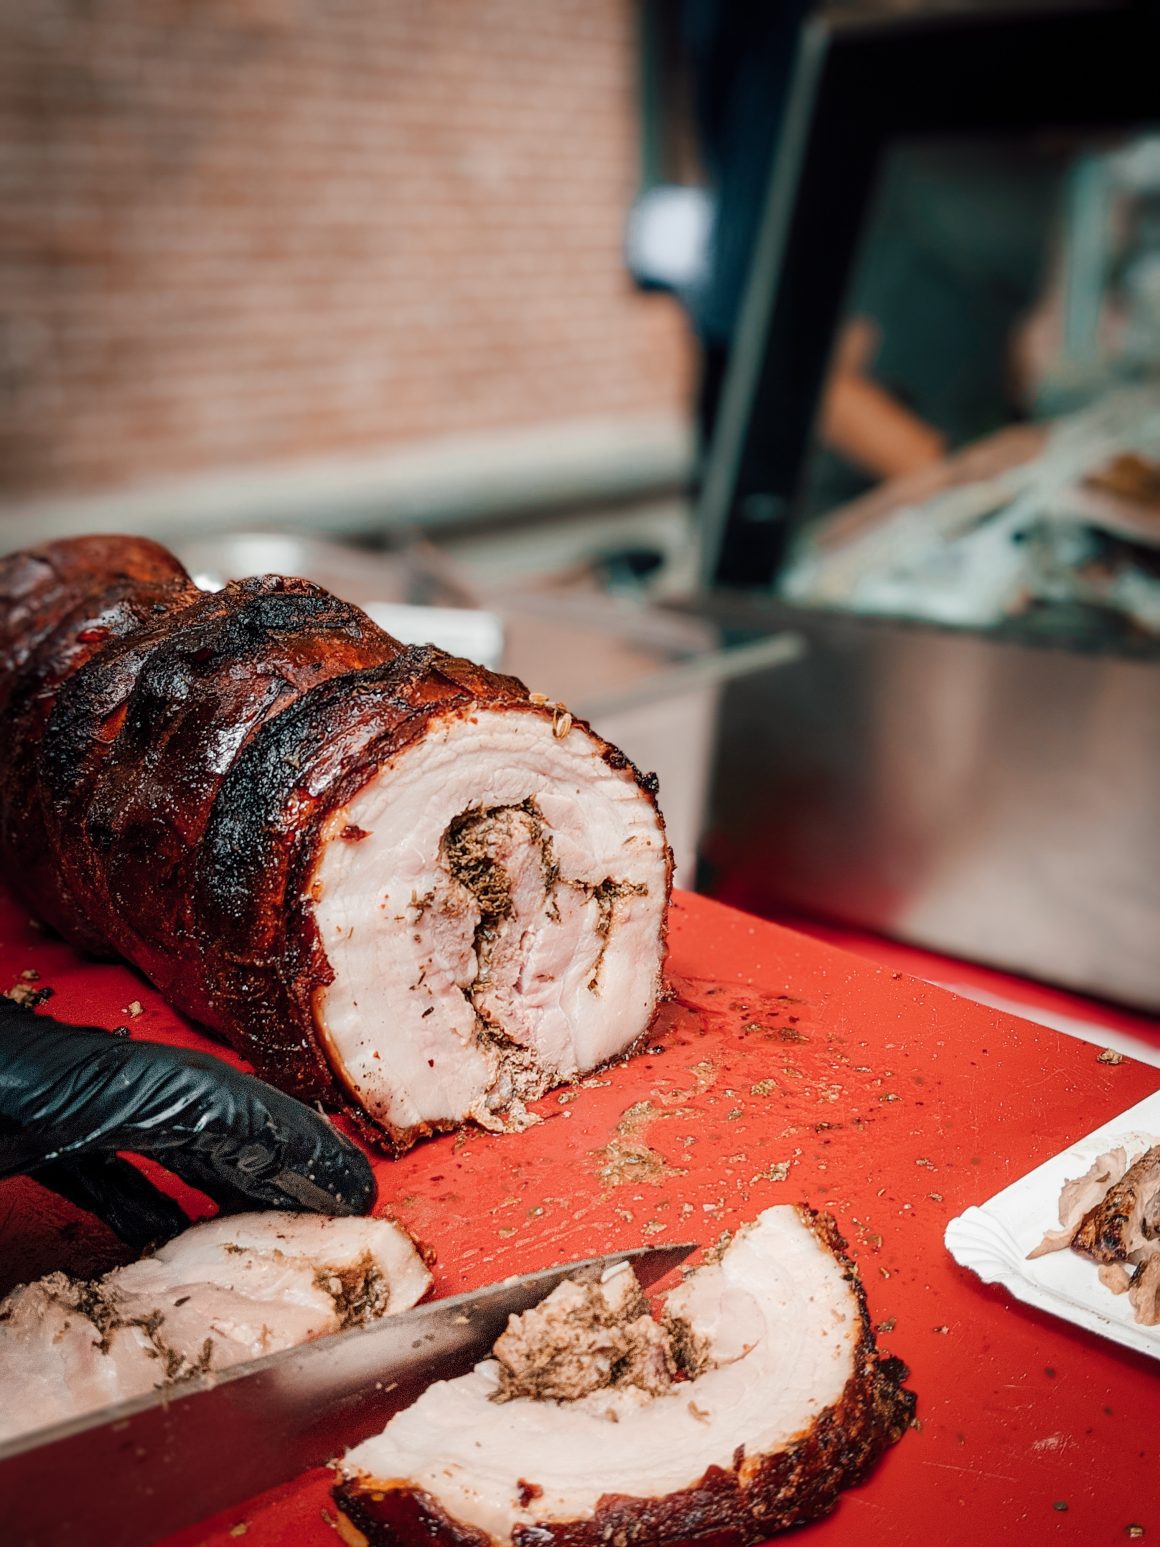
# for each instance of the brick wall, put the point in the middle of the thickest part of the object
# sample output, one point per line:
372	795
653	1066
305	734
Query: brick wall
237	232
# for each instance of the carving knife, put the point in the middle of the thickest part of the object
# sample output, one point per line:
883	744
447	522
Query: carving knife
131	1474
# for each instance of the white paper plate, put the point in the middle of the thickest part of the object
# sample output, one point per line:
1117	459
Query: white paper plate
994	1239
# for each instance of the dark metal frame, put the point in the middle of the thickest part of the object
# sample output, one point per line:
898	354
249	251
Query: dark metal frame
858	86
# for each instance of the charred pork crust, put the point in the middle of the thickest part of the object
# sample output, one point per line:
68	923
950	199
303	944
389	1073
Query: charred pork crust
40	586
373	1518
87	715
737	1506
117	610
226	666
1128	1218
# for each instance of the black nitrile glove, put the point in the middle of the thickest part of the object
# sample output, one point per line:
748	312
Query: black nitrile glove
71	1097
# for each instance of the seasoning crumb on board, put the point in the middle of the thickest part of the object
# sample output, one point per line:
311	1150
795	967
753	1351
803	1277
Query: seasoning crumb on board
23	994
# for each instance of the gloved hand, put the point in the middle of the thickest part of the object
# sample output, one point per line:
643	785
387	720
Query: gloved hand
72	1096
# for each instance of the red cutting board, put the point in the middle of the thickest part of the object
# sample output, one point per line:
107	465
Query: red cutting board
781	1070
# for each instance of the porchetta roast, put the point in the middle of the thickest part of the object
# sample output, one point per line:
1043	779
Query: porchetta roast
394	880
745	1410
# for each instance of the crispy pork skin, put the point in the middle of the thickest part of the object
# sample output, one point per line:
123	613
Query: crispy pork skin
39	587
395	881
233	1289
207	681
59	606
786	1403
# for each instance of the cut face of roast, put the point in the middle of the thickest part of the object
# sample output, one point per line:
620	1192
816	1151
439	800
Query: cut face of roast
491	906
232	1289
785	1403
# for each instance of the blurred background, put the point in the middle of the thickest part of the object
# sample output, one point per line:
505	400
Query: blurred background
777	385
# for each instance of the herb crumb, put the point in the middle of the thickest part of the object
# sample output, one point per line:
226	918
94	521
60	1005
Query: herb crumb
27	997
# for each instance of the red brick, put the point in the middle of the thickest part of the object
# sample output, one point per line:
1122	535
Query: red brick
240	230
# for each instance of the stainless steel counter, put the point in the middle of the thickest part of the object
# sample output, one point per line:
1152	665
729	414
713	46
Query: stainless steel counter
994	799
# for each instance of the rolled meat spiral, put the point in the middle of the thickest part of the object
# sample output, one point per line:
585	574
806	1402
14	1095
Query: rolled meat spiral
396	881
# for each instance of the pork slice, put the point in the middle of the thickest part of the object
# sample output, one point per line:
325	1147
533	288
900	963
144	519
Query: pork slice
235	1288
1081	1194
772	1425
1125	1224
1144	1291
1114	1276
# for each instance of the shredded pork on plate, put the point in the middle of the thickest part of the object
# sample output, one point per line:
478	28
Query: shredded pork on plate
232	1289
1111	1215
579	1431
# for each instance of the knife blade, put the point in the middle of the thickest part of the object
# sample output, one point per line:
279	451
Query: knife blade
139	1471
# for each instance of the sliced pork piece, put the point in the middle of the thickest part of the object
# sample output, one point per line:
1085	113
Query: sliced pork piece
787	1404
1114	1276
233	1289
1125	1225
1144	1291
1079	1196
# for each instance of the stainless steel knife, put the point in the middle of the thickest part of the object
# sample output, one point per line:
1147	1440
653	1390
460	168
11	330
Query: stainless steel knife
130	1474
